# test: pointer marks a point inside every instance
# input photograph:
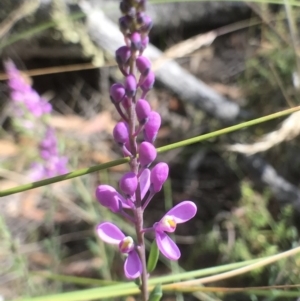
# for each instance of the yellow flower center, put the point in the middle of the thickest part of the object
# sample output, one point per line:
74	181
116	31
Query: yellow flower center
126	245
169	223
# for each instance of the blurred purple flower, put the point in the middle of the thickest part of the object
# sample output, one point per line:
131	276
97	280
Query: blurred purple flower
52	163
111	234
22	93
181	213
110	198
28	110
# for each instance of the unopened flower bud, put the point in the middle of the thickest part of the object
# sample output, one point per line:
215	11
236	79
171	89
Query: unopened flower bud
140	17
128	183
147	154
143	111
108	197
117	92
130	85
121	133
126	103
146	23
127	8
159	175
143	64
148	82
136	42
124	24
123	55
152	127
124	7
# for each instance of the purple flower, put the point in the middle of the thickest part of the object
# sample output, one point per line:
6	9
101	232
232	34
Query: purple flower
111	234
130	85
143	65
143	111
152	126
147	82
110	198
117	93
121	132
147	153
181	213
128	183
136	42
52	163
123	55
159	175
23	94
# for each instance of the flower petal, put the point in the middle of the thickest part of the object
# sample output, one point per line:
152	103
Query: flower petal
132	265
110	233
167	246
145	182
183	212
110	198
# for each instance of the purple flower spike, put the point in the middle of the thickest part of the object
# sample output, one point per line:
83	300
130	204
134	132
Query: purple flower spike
123	55
136	42
110	198
130	85
121	133
143	64
159	175
152	127
147	154
111	234
128	183
117	93
181	213
142	110
148	82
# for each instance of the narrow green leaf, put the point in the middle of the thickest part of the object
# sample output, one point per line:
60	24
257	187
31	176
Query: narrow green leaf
182	143
153	257
156	294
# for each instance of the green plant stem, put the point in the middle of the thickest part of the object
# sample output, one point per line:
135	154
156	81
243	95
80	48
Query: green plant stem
110	164
138	211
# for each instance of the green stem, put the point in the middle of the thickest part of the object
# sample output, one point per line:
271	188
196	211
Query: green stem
200	138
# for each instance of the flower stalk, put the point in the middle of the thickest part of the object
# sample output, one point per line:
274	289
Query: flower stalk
138	122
